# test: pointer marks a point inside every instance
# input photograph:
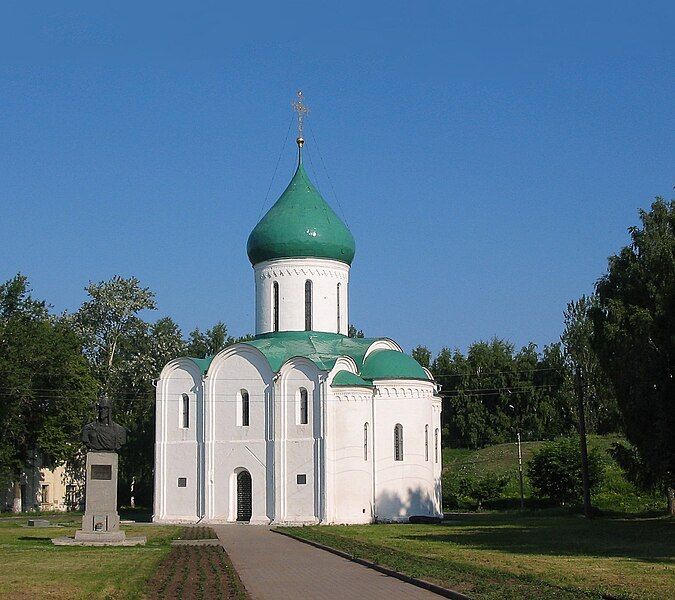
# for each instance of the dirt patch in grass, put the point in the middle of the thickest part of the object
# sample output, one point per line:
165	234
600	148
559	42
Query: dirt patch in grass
196	572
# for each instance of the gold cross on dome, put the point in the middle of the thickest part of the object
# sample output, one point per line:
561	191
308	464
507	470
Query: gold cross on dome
302	109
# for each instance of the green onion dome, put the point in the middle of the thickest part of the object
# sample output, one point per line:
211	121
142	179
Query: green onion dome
300	224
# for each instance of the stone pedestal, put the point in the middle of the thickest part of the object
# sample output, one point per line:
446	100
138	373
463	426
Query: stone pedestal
100	522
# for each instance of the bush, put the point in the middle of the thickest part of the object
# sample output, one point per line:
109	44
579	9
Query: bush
450	487
555	471
489	486
636	470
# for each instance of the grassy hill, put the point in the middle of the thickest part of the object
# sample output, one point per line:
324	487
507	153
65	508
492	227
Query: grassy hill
615	495
531	555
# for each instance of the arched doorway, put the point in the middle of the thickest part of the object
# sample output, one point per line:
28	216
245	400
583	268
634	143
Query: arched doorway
244	501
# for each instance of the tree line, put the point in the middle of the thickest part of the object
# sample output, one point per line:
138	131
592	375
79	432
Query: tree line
54	367
495	390
617	348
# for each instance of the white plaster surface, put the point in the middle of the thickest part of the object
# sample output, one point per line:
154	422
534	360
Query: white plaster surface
291	275
343	481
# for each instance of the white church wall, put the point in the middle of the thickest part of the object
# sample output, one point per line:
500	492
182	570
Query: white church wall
233	446
275	447
342	363
299	445
291	275
382	344
349	456
179	448
408	487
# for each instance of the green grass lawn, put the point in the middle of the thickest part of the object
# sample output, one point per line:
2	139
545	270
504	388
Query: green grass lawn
34	568
615	495
538	555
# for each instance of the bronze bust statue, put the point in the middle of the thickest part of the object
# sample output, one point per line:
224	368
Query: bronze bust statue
104	435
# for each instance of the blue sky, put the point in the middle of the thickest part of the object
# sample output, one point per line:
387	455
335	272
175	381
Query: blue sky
487	156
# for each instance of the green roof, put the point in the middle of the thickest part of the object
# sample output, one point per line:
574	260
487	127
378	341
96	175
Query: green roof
347	379
322	348
390	364
300	224
202	363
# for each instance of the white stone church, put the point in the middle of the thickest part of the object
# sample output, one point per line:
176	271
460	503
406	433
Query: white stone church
303	424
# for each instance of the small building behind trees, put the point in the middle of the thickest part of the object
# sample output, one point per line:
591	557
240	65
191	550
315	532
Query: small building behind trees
41	489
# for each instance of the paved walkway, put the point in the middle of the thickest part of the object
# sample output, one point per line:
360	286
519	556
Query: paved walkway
275	567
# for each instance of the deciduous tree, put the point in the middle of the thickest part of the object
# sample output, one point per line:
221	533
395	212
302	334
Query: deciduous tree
480	489
353	332
634	337
601	410
108	319
46	386
555	471
119	348
422	355
201	345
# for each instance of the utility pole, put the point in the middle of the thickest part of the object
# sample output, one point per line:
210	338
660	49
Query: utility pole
520	473
520	454
584	447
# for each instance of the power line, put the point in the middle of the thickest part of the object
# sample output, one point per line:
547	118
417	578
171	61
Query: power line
491	391
213	396
59	393
276	167
252	398
482	373
313	170
330	181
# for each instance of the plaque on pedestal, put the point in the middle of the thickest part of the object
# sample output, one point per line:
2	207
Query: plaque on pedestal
101	522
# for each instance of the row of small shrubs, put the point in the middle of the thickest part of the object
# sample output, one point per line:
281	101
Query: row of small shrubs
554	475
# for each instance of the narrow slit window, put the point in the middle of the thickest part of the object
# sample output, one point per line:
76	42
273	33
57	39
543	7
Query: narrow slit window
398	442
436	445
426	442
275	301
308	305
365	441
338	308
185	411
244	408
303	406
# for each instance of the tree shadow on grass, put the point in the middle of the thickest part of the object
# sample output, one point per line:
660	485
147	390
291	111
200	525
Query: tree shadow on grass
514	504
647	540
34	538
654	515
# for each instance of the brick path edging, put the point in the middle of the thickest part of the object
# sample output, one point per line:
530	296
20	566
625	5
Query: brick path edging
432	587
